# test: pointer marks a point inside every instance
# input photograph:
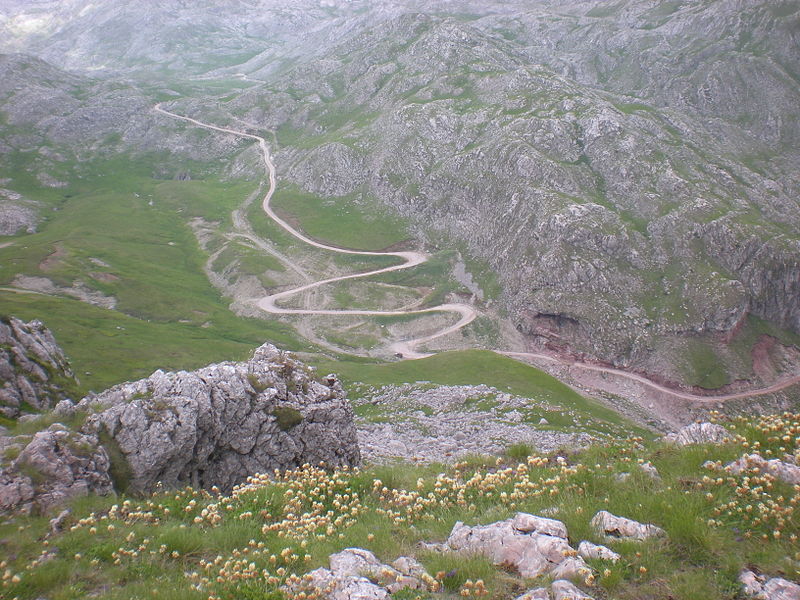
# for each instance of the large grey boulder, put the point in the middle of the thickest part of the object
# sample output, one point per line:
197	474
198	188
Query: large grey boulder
222	423
33	367
55	466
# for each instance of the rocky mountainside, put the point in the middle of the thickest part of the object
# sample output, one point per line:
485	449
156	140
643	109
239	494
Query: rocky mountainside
619	218
629	171
211	428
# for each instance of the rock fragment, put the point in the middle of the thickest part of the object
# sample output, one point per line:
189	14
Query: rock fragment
699	433
565	590
755	462
54	466
32	367
761	588
587	549
613	526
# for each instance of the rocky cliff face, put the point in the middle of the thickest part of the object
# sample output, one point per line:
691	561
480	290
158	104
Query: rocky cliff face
33	368
211	427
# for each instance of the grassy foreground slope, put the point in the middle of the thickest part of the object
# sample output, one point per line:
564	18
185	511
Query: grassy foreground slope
195	544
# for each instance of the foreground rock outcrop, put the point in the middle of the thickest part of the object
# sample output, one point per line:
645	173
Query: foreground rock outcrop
219	424
205	428
33	368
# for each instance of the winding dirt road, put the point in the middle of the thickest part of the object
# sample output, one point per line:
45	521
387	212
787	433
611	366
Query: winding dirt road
466	313
410	259
775	387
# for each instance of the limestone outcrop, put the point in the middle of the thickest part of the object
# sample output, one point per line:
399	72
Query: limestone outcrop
763	588
210	427
357	573
784	471
33	368
219	424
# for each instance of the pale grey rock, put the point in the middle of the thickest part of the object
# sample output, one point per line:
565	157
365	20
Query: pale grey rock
78	290
587	549
405	572
700	433
220	424
55	466
527	523
650	469
433	547
357	562
453	423
347	587
784	471
566	590
16	214
409	566
535	594
752	584
613	526
778	588
64	408
572	567
764	588
56	524
32	366
531	554
357	574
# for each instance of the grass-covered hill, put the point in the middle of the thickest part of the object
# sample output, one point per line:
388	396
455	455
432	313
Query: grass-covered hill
270	532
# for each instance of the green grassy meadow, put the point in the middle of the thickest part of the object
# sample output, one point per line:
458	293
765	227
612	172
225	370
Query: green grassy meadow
121	232
340	222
